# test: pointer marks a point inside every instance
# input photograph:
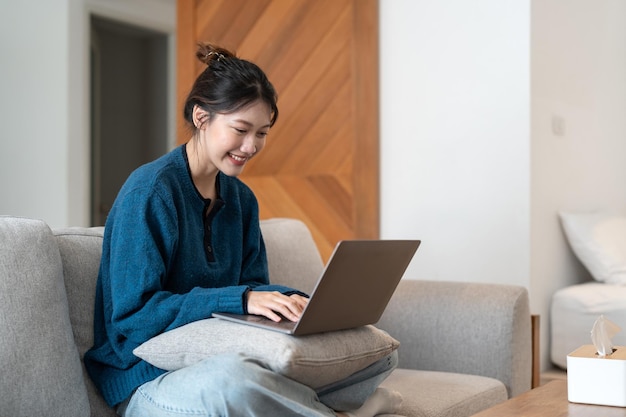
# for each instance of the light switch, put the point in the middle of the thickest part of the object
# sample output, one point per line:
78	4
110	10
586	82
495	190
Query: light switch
558	125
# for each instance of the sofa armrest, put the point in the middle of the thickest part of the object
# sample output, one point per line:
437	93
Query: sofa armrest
467	328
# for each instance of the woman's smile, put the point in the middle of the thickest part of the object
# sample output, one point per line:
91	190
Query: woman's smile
239	159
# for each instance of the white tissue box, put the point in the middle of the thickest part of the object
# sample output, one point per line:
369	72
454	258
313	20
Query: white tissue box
597	380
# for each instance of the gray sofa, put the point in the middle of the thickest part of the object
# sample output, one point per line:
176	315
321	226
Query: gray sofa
464	347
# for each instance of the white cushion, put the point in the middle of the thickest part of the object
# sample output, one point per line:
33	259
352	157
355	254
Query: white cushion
573	311
315	360
599	241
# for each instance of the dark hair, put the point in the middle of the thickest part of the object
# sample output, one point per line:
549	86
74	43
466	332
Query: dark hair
228	84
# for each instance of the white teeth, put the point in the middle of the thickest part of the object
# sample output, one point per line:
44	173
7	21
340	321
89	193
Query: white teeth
238	158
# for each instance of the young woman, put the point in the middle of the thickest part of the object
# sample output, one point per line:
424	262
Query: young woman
183	241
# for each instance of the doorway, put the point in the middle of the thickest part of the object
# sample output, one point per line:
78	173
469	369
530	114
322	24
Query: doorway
129	106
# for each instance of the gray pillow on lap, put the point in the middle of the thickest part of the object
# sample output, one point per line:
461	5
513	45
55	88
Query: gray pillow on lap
315	360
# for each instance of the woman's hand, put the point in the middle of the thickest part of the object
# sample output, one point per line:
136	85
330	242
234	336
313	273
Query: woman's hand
271	304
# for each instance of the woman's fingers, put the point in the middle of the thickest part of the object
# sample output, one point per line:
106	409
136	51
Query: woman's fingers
273	305
300	300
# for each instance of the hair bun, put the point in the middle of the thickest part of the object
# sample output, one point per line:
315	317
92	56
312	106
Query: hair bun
208	53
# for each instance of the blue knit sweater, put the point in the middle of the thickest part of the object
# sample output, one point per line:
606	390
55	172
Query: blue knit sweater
167	262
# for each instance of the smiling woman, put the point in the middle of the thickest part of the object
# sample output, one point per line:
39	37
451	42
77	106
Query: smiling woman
230	110
183	241
225	143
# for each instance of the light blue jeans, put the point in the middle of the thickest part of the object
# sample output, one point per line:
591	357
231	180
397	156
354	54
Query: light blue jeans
235	385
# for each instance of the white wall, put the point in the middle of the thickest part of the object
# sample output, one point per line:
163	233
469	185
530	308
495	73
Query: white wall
578	77
455	134
34	109
44	105
469	160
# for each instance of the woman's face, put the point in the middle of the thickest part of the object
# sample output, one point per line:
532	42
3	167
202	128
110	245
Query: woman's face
230	140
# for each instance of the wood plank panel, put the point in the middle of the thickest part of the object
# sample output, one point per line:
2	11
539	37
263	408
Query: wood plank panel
320	163
286	138
366	165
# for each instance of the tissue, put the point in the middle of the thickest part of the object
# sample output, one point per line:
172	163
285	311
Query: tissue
596	374
602	332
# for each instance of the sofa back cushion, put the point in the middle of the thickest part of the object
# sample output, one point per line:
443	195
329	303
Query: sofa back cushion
292	255
81	249
41	370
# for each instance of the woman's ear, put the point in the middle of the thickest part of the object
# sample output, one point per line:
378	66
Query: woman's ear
200	117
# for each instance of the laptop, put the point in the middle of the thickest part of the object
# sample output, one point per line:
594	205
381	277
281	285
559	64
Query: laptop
354	289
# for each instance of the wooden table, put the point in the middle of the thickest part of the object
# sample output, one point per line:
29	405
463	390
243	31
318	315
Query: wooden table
549	400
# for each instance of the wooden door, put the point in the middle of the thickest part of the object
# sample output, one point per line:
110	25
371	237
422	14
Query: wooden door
320	163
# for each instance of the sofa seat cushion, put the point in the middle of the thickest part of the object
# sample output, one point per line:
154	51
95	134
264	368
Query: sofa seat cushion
444	394
41	366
